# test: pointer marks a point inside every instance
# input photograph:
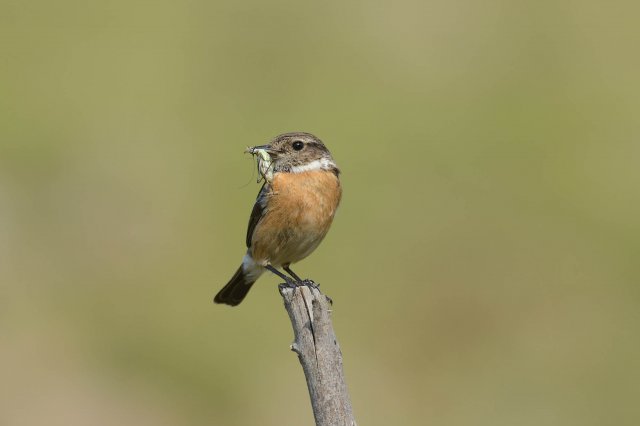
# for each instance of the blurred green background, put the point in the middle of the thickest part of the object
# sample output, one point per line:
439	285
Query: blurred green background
484	261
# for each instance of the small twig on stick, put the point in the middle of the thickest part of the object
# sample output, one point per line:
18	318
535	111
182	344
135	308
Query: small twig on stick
319	353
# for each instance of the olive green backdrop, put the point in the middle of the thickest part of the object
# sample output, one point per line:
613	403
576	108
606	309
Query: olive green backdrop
483	263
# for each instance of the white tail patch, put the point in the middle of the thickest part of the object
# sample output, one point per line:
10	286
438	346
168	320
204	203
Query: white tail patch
251	268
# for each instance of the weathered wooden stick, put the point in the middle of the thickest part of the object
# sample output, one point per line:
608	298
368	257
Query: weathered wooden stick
319	353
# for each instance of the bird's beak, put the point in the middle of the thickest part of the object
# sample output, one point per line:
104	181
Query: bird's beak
255	149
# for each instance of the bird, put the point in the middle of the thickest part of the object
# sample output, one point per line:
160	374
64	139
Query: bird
292	214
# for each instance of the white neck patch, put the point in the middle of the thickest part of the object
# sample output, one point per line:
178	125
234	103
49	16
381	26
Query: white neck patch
321	164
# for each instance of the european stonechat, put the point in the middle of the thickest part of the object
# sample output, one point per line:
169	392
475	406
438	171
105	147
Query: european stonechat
293	210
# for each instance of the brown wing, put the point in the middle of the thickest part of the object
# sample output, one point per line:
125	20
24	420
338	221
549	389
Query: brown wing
257	212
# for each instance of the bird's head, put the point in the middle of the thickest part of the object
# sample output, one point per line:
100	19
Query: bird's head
294	152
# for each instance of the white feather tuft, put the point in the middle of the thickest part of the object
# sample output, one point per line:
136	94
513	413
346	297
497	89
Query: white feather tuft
321	164
251	268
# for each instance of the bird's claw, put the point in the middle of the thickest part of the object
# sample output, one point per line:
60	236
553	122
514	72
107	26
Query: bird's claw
304	283
310	283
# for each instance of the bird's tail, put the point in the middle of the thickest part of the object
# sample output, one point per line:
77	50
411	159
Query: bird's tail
238	286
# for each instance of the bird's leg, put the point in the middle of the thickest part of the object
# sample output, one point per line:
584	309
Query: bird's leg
288	281
306	282
293	274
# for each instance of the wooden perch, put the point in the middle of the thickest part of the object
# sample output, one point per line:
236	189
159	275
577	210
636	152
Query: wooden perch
319	353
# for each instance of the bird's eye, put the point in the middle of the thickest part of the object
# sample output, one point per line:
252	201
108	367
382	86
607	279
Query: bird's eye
298	145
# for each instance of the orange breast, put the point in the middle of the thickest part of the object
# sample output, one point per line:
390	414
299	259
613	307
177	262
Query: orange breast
299	212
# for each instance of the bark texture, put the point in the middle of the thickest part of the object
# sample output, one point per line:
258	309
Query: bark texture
319	353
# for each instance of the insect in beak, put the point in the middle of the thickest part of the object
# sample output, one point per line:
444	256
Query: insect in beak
265	162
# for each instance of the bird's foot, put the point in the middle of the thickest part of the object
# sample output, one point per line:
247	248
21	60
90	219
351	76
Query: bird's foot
304	283
310	283
290	283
